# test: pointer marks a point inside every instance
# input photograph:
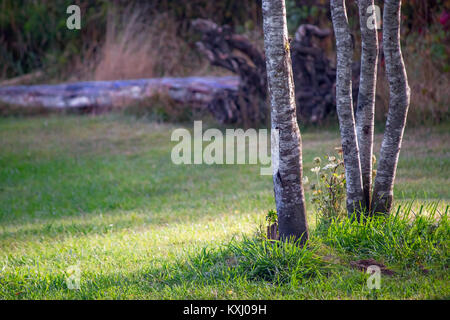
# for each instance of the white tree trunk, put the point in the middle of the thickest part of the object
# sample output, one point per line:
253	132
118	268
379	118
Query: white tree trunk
399	98
344	107
365	109
287	154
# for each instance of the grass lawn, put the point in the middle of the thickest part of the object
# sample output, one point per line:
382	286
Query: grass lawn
102	194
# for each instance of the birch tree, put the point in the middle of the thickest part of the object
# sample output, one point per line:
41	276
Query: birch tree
359	146
399	98
365	110
344	107
286	152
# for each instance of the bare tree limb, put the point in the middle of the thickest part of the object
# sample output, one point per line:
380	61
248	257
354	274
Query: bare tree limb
344	107
365	110
399	98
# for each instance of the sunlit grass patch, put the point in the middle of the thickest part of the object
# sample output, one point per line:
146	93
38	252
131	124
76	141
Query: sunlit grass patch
101	193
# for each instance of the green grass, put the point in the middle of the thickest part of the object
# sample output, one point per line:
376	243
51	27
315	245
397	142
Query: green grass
101	193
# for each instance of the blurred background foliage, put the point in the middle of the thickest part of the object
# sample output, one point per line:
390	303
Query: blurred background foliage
122	39
33	33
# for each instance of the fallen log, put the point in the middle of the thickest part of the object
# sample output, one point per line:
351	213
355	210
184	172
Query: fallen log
314	75
192	91
235	53
235	99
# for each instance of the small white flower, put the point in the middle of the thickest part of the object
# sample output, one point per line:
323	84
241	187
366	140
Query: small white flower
330	166
315	169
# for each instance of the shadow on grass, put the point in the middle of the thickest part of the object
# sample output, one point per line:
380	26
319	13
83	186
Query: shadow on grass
250	261
168	195
414	246
253	267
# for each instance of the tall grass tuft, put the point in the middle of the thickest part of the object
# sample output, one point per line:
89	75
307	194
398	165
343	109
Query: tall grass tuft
256	259
404	237
137	46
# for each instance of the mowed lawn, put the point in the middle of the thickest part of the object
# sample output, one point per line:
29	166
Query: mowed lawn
100	193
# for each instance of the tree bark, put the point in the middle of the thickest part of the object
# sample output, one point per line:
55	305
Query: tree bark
365	109
399	98
344	107
287	153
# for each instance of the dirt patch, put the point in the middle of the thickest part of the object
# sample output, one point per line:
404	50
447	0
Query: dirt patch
364	264
423	269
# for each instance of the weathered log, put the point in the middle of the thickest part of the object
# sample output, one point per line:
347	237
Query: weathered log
248	104
240	99
314	76
193	91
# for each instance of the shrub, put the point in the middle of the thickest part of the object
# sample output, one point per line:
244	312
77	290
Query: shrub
329	189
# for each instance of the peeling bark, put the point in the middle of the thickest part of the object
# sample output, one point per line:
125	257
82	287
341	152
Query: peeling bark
399	98
365	109
344	107
287	153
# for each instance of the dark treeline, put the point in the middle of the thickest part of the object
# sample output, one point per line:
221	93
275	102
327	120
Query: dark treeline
33	33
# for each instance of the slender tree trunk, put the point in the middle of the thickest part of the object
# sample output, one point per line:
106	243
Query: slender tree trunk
365	109
344	107
399	97
287	153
